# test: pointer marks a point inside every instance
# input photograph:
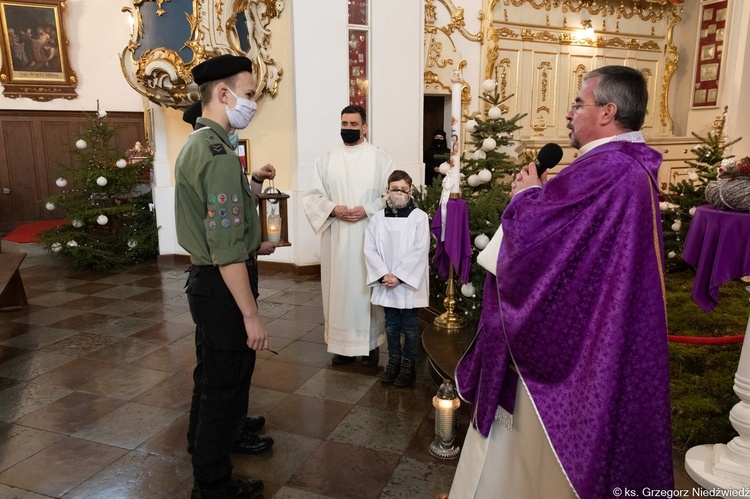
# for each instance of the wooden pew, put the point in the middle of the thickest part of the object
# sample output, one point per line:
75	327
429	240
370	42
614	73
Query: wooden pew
12	294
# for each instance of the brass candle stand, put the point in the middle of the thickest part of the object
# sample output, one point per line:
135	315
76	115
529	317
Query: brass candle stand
450	319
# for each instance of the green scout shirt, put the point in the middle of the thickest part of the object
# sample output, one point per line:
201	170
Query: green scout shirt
216	219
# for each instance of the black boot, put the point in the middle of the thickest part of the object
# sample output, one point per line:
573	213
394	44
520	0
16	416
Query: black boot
406	374
391	370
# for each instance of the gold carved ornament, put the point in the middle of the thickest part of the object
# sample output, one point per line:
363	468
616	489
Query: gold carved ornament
161	75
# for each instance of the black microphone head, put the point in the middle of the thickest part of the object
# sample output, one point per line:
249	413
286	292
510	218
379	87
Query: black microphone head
548	157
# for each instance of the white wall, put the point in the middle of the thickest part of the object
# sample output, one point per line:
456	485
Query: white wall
98	31
321	71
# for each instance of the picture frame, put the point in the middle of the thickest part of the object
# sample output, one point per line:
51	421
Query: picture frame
34	59
712	30
243	151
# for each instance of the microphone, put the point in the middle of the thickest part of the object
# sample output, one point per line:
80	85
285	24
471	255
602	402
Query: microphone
548	157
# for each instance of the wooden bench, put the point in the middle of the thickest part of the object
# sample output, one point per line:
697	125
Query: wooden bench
12	294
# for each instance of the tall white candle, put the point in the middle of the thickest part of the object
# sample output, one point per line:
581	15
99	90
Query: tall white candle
455	174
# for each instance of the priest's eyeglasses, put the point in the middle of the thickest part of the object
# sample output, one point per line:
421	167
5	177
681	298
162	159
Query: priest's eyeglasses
575	106
405	191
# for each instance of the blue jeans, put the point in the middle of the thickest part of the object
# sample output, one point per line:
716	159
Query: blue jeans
396	321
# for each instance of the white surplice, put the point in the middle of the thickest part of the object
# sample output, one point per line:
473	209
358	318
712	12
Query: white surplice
511	464
399	246
350	176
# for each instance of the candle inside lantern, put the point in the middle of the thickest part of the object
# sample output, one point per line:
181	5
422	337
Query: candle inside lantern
273	227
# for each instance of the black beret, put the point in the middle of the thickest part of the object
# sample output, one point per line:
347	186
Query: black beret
192	113
220	67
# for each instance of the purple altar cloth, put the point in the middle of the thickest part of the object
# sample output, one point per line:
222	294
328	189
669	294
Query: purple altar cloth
456	248
582	315
718	246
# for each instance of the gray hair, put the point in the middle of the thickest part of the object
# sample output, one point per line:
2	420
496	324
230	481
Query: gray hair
627	89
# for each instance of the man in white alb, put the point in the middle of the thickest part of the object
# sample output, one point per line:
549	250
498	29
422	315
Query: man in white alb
346	189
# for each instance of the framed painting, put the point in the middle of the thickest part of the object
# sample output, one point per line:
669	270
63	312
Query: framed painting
243	151
34	60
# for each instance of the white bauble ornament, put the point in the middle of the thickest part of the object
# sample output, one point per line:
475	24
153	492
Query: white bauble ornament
489	144
101	181
671	254
50	206
121	163
467	290
488	85
481	241
471	126
494	113
77	223
693	176
473	180
677	226
102	113
81	144
692	211
132	243
56	247
61	182
102	219
479	155
444	168
663	206
72	243
485	176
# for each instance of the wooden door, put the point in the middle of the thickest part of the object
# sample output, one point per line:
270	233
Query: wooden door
34	146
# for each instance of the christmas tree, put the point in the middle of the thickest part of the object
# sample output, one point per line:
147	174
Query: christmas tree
682	198
110	210
488	171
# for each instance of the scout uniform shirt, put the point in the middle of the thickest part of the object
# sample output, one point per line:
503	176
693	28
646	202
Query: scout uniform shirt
216	219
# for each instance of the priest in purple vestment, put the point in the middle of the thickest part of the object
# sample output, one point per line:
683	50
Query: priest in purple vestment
575	316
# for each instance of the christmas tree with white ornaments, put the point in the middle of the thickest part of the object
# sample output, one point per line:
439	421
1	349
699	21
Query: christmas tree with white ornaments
682	198
106	201
487	171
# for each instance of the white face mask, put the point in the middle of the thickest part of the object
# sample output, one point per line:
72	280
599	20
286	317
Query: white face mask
398	199
242	113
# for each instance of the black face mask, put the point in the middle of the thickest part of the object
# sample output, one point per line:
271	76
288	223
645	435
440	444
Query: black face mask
349	136
438	143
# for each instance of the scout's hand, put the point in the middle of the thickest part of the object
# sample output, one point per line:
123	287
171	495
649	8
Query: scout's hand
267	172
267	248
257	336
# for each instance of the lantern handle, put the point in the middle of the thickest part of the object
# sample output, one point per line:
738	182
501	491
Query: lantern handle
273	190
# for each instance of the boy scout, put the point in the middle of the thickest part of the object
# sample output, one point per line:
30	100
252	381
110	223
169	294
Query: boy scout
218	225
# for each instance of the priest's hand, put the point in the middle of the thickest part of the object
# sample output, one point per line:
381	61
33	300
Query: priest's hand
357	213
526	178
345	214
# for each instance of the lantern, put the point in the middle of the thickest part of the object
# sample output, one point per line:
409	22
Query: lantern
274	225
445	402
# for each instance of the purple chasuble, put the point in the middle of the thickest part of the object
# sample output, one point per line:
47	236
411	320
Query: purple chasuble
580	287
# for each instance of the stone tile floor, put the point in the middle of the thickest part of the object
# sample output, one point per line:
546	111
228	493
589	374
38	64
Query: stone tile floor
95	383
